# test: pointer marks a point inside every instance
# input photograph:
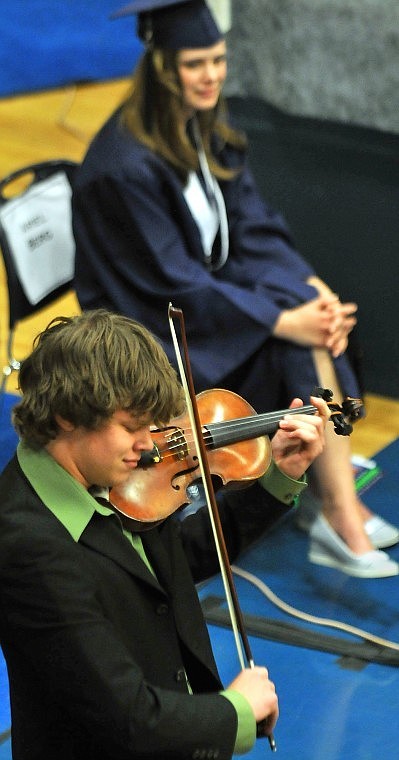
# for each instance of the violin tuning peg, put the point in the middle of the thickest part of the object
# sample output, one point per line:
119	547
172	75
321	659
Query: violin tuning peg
325	393
352	408
343	428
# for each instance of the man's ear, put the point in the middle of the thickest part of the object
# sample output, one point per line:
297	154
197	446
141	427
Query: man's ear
65	425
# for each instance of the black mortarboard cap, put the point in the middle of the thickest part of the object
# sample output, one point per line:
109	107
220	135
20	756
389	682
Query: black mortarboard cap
174	24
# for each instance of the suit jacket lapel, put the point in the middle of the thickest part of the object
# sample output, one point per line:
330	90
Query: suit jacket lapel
105	536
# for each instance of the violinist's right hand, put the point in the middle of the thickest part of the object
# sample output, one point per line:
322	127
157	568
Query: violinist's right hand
254	684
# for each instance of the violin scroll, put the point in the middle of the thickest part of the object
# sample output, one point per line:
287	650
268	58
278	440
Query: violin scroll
341	416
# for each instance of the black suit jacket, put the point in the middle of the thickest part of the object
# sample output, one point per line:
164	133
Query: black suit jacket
97	647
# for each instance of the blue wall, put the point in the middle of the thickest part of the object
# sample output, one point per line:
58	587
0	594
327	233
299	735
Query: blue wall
49	44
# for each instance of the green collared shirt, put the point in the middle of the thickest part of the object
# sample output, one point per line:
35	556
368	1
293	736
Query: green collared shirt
281	486
69	501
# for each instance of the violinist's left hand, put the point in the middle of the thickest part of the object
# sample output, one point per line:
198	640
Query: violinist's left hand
300	438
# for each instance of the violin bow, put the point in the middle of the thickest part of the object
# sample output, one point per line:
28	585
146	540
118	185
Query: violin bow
236	616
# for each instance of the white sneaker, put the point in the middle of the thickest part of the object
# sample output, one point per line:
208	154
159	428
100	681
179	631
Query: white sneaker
381	533
328	549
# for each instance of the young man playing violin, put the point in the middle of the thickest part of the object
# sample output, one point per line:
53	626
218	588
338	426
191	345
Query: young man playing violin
107	650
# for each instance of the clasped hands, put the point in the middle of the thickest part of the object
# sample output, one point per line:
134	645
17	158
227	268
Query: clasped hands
323	322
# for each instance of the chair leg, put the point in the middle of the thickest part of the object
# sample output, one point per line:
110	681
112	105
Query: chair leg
13	363
12	366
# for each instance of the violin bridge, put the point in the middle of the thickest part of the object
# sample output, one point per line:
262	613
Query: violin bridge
181	448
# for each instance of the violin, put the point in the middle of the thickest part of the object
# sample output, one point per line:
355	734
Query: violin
238	449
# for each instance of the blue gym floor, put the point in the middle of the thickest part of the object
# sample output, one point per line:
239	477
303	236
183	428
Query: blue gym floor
332	707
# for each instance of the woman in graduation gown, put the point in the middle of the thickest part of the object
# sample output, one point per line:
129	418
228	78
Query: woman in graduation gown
165	210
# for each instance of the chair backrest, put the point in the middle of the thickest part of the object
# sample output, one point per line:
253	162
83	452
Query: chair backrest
36	236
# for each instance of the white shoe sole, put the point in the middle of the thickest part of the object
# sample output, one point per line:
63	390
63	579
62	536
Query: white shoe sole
356	568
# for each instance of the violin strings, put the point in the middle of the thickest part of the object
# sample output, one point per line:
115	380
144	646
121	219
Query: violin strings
177	446
228	426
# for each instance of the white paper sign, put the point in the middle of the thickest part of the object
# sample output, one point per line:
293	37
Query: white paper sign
39	231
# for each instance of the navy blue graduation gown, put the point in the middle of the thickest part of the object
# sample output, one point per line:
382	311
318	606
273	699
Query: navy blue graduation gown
138	248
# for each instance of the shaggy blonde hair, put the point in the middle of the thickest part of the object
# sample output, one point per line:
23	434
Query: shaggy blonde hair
85	368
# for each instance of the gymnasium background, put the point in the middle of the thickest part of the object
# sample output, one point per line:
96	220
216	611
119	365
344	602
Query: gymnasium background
315	85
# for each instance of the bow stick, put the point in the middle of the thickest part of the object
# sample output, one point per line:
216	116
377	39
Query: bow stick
237	621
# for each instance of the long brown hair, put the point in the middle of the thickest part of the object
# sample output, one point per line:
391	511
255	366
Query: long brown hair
154	114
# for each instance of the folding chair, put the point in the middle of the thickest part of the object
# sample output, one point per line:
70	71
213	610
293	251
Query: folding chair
36	241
